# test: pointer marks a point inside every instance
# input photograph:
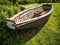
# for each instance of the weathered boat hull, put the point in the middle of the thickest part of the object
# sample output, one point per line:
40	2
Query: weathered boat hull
32	23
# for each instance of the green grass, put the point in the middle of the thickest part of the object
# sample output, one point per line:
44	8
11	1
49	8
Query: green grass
48	35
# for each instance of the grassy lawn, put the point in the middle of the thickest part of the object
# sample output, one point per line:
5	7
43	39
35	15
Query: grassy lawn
48	35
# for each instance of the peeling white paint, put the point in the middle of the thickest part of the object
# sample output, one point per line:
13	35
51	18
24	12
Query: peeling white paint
9	24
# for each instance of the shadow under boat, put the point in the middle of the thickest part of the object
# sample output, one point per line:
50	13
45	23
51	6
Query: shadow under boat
22	36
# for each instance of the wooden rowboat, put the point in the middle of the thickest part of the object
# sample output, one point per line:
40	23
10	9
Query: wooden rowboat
30	18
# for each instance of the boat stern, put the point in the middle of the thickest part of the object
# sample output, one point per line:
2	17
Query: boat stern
10	24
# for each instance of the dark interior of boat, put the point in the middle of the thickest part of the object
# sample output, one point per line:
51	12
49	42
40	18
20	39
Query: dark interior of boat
45	8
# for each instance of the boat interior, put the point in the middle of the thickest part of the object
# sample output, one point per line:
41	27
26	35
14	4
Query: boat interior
33	13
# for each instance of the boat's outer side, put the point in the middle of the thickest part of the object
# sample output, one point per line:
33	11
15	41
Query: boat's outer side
42	19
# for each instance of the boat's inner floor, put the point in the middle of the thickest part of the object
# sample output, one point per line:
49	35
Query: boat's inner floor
32	14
